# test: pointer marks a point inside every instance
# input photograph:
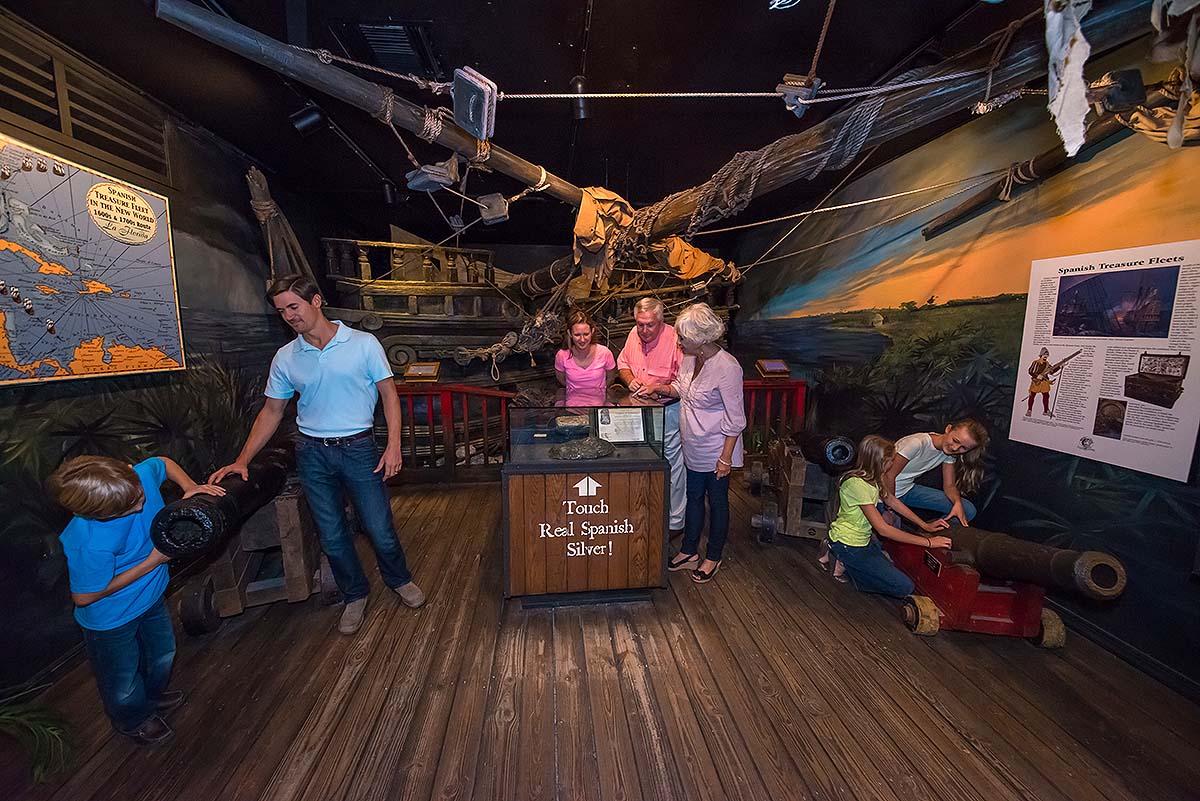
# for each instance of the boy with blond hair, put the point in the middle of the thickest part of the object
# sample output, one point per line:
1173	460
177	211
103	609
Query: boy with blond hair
117	580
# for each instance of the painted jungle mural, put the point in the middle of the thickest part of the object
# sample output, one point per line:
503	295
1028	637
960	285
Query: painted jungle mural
899	334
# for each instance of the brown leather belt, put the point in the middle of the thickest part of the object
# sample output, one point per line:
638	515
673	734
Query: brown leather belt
329	442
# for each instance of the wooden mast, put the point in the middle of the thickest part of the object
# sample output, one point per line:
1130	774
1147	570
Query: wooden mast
349	88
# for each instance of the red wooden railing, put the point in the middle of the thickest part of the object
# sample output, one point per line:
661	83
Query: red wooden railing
774	408
451	432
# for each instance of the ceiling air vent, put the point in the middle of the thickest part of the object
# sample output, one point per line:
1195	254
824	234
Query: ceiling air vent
397	46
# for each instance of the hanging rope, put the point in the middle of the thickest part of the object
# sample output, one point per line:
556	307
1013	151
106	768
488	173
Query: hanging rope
837	188
837	94
326	57
869	228
431	123
541	186
855	204
812	71
998	54
1018	174
728	192
483	152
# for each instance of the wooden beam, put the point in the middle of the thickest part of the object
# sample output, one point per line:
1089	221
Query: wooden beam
351	89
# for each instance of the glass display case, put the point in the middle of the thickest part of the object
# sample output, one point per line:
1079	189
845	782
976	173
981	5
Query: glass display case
586	431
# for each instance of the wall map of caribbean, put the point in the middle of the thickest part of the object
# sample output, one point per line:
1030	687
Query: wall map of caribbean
87	282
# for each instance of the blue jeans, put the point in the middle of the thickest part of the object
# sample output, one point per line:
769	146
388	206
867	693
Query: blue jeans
132	664
934	500
327	474
871	570
717	489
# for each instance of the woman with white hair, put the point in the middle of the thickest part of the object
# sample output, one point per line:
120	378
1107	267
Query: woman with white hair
711	419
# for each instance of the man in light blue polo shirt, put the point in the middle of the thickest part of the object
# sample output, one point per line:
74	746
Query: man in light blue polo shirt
339	374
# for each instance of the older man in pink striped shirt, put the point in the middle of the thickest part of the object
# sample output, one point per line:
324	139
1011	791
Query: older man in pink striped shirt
648	364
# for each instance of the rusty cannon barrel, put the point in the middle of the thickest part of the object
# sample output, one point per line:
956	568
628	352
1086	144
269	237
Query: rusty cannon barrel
833	452
198	524
1092	574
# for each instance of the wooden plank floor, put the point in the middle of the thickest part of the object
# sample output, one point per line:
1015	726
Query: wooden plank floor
772	682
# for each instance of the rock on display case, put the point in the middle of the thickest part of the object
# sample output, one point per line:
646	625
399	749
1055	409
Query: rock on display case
585	496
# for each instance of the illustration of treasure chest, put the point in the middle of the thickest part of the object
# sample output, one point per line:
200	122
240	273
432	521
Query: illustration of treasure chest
1159	380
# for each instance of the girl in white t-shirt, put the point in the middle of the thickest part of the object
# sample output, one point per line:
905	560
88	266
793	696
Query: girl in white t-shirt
958	451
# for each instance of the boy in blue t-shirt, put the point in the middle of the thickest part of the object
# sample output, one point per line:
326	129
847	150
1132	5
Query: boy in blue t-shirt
117	583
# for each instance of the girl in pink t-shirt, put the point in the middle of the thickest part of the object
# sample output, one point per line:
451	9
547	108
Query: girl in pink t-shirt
583	365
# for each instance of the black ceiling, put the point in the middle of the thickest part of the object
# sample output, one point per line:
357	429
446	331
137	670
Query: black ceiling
643	149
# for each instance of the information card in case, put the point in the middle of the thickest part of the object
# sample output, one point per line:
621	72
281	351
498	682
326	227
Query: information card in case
1159	380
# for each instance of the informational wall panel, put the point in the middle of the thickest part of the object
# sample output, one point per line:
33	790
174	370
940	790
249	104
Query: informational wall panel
1106	356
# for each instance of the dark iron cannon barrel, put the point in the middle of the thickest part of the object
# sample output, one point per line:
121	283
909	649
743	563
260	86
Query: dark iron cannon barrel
198	524
833	452
1092	574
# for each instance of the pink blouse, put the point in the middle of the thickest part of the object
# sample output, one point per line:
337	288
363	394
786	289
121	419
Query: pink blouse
592	378
711	407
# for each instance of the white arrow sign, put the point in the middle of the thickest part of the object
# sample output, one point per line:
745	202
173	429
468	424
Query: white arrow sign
587	486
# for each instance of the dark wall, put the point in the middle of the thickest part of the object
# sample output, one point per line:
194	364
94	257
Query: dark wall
898	334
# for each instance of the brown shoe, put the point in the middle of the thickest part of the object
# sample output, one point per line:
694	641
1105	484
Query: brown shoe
411	594
171	699
352	616
154	731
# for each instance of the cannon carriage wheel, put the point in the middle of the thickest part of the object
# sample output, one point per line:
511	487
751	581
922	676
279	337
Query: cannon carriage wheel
921	615
1053	633
198	610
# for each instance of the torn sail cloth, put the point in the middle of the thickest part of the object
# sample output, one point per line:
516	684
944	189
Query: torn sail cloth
688	261
1069	51
601	213
1156	122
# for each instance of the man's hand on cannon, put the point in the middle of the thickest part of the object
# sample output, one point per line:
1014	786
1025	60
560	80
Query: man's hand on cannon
391	461
230	469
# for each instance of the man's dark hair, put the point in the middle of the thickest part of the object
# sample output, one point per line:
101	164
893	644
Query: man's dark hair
293	283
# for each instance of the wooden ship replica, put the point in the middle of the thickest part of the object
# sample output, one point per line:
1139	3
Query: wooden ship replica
454	306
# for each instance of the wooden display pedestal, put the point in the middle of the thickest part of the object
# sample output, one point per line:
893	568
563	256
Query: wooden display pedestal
283	530
571	531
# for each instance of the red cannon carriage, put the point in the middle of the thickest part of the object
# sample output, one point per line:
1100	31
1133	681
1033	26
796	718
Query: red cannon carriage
995	584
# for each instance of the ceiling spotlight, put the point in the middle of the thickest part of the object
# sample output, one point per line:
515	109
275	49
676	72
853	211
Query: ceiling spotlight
389	192
309	119
579	107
